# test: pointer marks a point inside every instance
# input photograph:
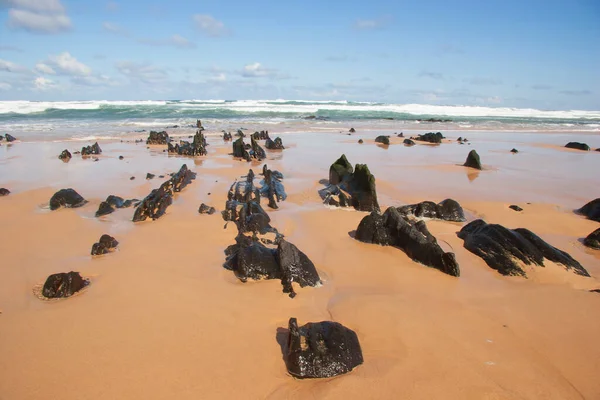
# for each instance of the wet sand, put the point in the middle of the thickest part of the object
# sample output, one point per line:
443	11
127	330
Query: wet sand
163	319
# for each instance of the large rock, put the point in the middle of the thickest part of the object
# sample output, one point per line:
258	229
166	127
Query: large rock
577	146
350	187
63	285
272	187
447	210
158	138
196	148
4	192
383	140
10	138
593	240
591	210
65	155
254	151
105	245
321	350
503	248
431	137
340	170
473	160
276	144
412	237
91	150
66	198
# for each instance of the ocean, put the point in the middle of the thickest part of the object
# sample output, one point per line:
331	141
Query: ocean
83	120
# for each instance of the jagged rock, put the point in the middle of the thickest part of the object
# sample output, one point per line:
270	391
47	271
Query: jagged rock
382	139
156	203
199	125
412	237
350	187
321	350
254	151
240	133
593	240
105	245
514	151
239	150
352	130
204	209
91	150
104	209
591	210
276	144
360	141
447	210
108	206
272	187
262	135
4	192
10	138
157	137
65	155
66	198
226	136
408	142
502	248
577	146
196	148
63	285
473	160
515	207
340	170
431	137
150	176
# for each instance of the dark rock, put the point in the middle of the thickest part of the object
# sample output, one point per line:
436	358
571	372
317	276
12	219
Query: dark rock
348	187
204	209
196	148
591	210
340	170
10	138
272	187
473	160
239	150
514	151
105	245
66	198
595	290
254	151
240	133
593	240
409	142
63	285
360	141
65	155
111	203
150	176
577	146
157	138
276	144
199	125
502	248
598	149
447	210
431	137
132	178
296	267
321	350
4	192
401	134
362	188
459	139
516	208
226	136
412	237
434	120
104	209
382	139
352	130
91	150
262	135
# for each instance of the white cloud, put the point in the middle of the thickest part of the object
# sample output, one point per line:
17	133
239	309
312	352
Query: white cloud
42	83
219	78
36	22
175	41
44	69
98	80
368	24
114	28
66	64
256	70
37	5
210	26
180	41
148	74
5	86
9	66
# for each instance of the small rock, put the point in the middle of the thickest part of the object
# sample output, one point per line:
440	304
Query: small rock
383	140
360	141
65	155
473	160
150	176
121	157
352	130
63	285
4	192
132	178
204	209
516	208
577	146
408	142
514	151
105	245
593	240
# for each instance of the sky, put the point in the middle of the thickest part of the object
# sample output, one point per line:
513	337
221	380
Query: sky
510	53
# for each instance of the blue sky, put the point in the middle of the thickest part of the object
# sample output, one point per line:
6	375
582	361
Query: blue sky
539	54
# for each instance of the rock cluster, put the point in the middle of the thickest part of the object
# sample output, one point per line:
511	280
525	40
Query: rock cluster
276	144
431	137
105	245
262	135
113	202
184	148
91	150
158	137
226	136
248	152
447	210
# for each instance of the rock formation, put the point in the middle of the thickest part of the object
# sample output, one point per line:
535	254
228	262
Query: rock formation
276	144
447	210
105	245
591	210
66	198
63	285
430	137
65	155
205	209
577	146
593	240
91	150
272	187
383	140
111	203
473	160
158	137
184	148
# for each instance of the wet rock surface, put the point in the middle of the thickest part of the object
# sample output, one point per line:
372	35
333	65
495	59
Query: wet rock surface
593	240
577	146
9	138
272	187
91	150
205	209
409	142
155	137
395	229
4	192
262	135
66	198
473	160
321	349
591	210
503	248
65	155
64	284
447	210
515	207
184	148
105	245
430	137
113	202
383	140
276	144
248	152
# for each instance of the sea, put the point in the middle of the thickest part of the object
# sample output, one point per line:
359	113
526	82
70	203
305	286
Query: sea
88	120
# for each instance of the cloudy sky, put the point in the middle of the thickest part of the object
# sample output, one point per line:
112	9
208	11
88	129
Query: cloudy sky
533	53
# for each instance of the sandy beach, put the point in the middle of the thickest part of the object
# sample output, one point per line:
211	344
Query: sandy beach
162	318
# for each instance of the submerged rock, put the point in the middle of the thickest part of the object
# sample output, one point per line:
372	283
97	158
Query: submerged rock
158	137
65	155
593	240
383	140
321	350
447	210
196	148
350	187
515	207
577	146
10	138
91	150
66	198
394	229
272	187
431	137
276	144
63	285
4	192
473	160
204	209
503	248
111	203
591	210
408	142
105	245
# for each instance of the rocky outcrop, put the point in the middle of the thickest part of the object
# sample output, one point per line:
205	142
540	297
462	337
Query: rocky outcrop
63	285
383	140
205	209
272	188
321	350
9	138
447	210
199	125
155	204
240	133
65	156
577	146
262	135
276	144
111	203
226	136
394	229
430	137
515	207
4	192
158	137
502	249
184	148
408	142
91	150
591	210
593	240
254	152
66	198
105	245
473	160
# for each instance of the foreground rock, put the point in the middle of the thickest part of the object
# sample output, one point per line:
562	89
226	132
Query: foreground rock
430	137
276	144
394	229
254	151
350	187
158	138
593	240
503	248
4	192
105	245
205	209
250	259
321	350
155	204
473	160
383	140
66	198
91	150
63	285
591	210
113	202
272	187
577	146
65	155
447	210
196	148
